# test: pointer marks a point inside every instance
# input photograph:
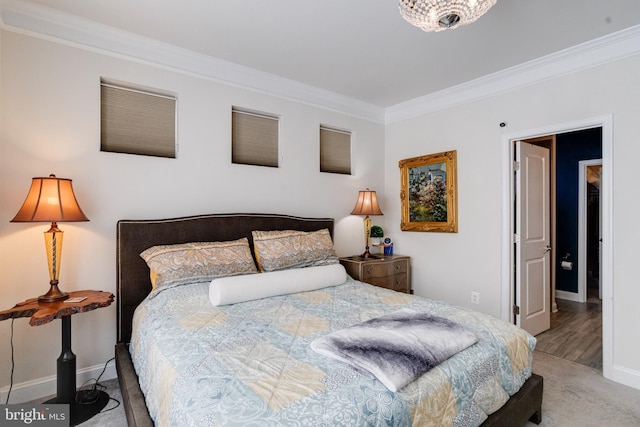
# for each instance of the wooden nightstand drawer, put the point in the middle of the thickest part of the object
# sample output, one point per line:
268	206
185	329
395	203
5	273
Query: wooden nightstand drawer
376	269
391	272
396	282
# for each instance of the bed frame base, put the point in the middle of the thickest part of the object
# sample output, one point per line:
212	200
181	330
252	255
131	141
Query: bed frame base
525	405
135	407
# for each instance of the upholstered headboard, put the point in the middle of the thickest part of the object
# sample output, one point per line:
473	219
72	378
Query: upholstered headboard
134	236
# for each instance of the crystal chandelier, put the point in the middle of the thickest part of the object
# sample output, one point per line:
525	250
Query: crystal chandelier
439	15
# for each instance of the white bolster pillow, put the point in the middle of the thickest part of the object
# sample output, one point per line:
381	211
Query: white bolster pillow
234	289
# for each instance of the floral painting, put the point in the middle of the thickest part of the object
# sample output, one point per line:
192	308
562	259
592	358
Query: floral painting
428	193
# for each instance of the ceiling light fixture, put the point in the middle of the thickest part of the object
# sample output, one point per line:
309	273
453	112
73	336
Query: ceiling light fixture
439	15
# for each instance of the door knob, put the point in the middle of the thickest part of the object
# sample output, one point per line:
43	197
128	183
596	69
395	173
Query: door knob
547	249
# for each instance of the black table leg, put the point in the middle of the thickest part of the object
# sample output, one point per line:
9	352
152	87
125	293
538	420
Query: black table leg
66	383
66	366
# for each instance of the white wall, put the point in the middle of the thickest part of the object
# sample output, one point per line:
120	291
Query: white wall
450	266
51	124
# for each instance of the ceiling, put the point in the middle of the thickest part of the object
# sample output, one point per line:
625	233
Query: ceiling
361	49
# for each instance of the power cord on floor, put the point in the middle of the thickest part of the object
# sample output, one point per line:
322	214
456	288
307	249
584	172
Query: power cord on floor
111	409
91	395
13	364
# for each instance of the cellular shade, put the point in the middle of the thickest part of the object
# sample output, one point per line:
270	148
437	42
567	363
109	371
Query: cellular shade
137	122
254	138
335	151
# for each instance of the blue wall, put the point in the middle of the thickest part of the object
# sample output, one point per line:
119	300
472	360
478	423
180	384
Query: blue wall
570	149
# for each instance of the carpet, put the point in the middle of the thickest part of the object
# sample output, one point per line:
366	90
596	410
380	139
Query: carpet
577	395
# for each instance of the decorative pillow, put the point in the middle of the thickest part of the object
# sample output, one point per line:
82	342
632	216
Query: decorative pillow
198	262
279	250
231	290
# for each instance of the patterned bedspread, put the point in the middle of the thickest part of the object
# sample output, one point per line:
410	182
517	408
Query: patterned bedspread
251	364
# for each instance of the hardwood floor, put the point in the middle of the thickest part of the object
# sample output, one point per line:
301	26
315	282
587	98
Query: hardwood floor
576	332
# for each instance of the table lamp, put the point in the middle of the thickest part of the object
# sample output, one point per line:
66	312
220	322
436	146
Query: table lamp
367	204
52	200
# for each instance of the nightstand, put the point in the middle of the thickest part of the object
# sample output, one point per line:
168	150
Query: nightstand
44	312
388	271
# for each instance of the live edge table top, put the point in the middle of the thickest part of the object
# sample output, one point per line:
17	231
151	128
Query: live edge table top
42	313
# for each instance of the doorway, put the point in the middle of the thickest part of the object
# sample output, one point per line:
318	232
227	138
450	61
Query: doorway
508	282
575	332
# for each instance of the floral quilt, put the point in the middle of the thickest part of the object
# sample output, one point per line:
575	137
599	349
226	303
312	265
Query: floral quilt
251	363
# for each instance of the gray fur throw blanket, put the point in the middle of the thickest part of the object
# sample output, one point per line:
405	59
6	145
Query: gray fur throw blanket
398	347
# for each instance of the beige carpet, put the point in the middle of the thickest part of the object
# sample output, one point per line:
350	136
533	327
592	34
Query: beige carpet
576	395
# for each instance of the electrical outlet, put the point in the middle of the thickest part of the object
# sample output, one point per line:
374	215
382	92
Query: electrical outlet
475	297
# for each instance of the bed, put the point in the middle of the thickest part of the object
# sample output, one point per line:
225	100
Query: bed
310	376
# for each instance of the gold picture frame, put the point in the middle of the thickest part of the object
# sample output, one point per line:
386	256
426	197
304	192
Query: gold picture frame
428	193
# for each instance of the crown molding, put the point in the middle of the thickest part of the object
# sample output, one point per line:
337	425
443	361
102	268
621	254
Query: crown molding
609	48
52	25
49	24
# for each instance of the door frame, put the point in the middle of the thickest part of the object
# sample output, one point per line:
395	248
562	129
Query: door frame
582	226
508	212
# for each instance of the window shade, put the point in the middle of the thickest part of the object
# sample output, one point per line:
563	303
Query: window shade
335	150
254	138
137	121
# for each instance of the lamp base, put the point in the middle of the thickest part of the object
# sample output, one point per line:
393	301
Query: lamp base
368	255
53	295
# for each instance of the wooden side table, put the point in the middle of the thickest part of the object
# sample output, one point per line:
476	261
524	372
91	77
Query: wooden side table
42	313
388	271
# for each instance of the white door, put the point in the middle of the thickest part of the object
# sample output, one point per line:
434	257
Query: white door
532	239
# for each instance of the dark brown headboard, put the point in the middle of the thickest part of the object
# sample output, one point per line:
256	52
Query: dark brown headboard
134	236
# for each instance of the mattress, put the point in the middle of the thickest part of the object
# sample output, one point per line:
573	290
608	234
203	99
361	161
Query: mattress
251	363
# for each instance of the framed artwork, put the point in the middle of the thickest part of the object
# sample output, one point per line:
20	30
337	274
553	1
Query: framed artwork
428	193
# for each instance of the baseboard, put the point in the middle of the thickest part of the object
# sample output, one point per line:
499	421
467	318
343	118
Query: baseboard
42	387
626	376
571	296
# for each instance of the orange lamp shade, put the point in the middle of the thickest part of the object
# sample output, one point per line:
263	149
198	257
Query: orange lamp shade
50	199
367	204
